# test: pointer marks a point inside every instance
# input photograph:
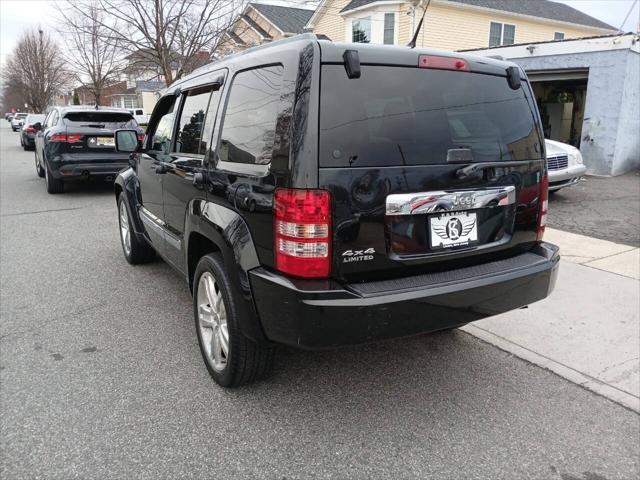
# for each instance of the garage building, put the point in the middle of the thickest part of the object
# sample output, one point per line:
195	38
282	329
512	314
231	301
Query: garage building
588	93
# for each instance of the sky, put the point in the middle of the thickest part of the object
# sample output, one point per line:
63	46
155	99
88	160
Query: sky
17	15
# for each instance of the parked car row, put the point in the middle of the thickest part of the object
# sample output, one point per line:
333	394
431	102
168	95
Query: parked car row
319	194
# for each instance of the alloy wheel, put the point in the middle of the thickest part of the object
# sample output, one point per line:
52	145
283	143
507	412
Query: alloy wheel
125	233
212	322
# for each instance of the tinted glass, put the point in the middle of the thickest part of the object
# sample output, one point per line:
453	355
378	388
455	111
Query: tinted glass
163	134
97	119
413	116
249	122
191	121
209	122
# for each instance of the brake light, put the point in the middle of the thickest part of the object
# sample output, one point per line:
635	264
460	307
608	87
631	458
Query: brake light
302	233
443	63
544	207
66	138
141	137
30	130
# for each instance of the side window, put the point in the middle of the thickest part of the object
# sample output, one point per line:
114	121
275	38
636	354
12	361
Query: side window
47	119
163	133
53	119
209	122
248	126
190	125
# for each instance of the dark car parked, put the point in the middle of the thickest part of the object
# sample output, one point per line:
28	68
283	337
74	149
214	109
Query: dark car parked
28	131
77	143
319	194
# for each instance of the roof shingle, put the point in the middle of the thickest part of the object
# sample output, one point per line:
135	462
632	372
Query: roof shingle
287	19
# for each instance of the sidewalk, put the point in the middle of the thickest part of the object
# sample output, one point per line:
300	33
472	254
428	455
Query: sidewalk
588	330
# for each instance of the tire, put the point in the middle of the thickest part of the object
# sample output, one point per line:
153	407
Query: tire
245	360
54	185
136	252
39	169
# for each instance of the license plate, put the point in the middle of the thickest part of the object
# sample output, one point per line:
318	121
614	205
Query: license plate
454	229
105	141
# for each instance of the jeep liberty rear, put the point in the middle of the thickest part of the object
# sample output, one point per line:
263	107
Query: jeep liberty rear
433	189
319	194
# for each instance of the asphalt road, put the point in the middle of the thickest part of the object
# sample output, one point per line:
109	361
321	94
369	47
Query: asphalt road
605	208
101	377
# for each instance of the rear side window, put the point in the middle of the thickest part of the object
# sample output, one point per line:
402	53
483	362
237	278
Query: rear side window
97	119
249	122
191	121
409	116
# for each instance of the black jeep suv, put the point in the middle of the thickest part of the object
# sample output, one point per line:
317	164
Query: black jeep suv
319	194
77	143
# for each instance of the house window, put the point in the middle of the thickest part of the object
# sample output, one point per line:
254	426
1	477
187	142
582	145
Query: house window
501	34
389	24
361	30
130	102
558	36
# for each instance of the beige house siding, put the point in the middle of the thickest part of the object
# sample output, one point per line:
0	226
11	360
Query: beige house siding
452	27
330	23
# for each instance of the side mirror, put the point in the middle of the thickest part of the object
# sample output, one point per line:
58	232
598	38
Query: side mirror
126	141
37	126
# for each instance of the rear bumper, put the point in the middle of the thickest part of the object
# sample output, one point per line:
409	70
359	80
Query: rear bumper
82	165
315	315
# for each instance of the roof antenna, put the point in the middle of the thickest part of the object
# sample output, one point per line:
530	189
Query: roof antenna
412	43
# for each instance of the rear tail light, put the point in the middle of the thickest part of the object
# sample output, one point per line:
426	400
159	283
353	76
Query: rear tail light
30	130
141	137
443	63
544	207
302	233
66	138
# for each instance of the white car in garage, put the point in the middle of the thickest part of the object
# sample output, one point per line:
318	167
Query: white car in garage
564	163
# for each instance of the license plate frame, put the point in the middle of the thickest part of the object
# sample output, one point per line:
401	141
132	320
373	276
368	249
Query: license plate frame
453	230
105	142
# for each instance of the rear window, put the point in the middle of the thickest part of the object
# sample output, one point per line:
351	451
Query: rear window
410	116
108	120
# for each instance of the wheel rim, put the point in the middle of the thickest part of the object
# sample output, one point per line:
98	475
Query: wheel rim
212	322
125	234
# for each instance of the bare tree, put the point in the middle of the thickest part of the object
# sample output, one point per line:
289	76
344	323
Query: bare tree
168	34
96	62
36	67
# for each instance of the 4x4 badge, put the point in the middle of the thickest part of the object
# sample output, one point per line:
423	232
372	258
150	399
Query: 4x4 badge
349	256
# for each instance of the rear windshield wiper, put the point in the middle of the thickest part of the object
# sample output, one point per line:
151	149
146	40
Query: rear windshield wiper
474	167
